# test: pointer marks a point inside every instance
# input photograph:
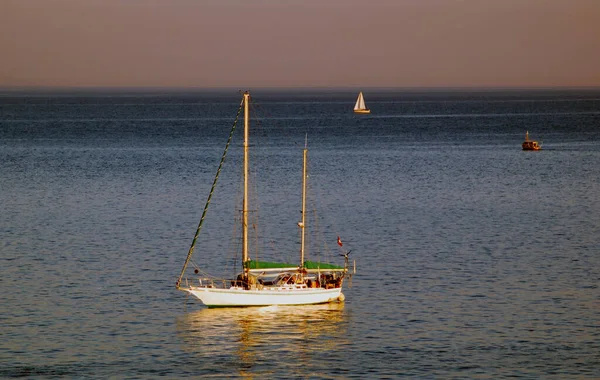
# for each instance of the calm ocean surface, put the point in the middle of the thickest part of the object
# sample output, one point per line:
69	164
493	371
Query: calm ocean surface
475	259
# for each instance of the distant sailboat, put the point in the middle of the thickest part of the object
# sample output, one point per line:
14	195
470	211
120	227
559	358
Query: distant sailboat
360	106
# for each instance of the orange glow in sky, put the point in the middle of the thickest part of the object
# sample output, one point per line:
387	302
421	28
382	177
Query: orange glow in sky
308	43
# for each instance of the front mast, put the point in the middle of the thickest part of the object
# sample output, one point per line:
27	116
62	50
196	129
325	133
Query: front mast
245	200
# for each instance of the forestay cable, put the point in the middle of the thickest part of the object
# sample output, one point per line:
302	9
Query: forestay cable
212	189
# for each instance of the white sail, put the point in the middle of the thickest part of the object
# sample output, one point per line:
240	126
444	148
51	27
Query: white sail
360	106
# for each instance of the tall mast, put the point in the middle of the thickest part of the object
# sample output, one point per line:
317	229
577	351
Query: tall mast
302	223
245	200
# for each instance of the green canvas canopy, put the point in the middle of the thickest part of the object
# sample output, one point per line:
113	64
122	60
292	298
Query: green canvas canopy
322	266
314	265
254	264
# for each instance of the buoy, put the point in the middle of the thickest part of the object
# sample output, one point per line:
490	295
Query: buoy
341	298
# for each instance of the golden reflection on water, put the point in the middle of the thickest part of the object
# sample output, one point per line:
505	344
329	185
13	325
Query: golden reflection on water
254	339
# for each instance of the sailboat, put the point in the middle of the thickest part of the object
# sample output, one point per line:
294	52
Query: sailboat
263	283
360	106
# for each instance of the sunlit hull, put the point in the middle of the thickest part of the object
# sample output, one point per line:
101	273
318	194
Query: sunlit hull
362	111
531	145
238	297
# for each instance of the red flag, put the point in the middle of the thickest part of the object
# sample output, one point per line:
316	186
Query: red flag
339	241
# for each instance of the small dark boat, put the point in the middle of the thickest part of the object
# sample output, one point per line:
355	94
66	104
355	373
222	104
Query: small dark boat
530	144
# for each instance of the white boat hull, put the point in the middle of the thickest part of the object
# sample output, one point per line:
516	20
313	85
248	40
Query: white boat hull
237	297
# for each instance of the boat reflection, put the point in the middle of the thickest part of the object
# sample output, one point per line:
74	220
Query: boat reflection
257	341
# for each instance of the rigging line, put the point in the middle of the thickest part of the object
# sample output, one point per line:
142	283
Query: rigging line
235	245
319	205
212	189
265	233
235	241
260	151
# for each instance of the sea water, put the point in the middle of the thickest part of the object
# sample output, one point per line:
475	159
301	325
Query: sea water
474	258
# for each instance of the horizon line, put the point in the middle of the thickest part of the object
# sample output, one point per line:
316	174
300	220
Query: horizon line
298	88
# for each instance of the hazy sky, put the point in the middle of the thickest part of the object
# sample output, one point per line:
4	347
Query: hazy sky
309	43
